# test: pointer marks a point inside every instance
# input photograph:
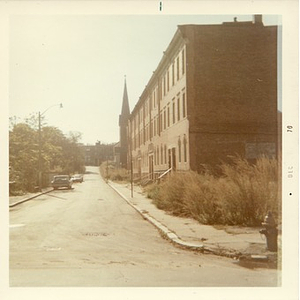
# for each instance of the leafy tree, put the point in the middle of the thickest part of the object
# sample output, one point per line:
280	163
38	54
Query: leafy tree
73	155
23	156
59	154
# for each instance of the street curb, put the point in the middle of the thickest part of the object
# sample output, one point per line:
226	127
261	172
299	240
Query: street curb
167	233
171	236
29	198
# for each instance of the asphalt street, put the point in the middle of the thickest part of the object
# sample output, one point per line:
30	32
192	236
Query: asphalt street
90	237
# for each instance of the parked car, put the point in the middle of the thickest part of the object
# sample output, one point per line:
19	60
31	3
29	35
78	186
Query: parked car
60	181
77	178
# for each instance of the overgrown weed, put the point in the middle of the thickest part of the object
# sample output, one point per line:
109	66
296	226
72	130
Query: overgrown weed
242	195
109	171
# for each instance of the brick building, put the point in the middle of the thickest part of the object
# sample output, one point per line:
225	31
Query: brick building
213	95
94	155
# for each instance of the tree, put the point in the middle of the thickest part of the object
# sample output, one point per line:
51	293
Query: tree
59	154
23	156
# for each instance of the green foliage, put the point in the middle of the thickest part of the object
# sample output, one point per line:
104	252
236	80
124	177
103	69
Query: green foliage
152	190
23	157
241	196
58	154
110	172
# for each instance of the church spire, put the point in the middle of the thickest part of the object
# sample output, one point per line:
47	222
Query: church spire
123	123
125	105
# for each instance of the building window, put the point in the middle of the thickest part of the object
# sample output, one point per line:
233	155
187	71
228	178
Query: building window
160	122
178	107
168	115
173	110
177	65
183	62
179	149
185	148
165	154
161	154
165	119
157	155
168	80
183	105
173	75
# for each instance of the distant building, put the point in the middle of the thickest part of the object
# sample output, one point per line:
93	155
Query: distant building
212	96
94	155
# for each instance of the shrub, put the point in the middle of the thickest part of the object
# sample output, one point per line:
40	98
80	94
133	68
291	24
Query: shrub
169	195
241	196
109	171
152	190
249	191
200	199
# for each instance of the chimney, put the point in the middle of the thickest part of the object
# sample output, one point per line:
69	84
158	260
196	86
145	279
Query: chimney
257	19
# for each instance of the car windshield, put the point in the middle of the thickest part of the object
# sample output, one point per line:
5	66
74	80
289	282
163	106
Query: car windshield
64	177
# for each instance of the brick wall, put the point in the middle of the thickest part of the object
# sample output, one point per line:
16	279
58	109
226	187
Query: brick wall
232	89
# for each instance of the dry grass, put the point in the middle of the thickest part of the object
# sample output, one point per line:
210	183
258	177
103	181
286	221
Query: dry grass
110	172
241	196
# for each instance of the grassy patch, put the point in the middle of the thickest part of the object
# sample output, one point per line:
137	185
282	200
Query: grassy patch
242	195
110	172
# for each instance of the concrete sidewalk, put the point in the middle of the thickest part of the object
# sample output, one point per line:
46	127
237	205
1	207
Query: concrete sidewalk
231	241
15	200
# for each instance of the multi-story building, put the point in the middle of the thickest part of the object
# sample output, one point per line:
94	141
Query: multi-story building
94	155
212	96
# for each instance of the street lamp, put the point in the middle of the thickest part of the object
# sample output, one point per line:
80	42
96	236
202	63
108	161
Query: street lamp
40	143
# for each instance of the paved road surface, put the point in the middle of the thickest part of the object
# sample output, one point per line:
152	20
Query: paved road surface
90	237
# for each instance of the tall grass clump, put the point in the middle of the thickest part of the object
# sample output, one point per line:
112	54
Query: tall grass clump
242	195
201	200
170	193
250	190
109	172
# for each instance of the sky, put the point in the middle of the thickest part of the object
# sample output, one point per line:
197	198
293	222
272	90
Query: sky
81	61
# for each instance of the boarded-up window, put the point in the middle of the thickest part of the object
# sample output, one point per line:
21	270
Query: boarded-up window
256	150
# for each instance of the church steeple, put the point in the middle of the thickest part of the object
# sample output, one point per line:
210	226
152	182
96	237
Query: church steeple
125	105
123	123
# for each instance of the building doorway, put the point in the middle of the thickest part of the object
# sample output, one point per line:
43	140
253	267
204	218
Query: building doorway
151	167
139	168
174	159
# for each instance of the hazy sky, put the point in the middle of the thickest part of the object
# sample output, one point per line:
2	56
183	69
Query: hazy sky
80	61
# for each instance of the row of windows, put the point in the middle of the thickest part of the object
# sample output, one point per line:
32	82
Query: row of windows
162	155
176	70
173	112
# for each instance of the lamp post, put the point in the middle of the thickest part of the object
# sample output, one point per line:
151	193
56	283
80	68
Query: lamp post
40	143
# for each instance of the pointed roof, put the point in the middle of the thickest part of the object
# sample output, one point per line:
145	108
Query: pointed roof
125	105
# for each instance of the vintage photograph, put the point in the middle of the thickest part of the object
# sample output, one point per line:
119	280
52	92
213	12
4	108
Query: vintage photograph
146	150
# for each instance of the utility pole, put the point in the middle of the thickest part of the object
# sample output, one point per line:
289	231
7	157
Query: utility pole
131	161
40	145
40	155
